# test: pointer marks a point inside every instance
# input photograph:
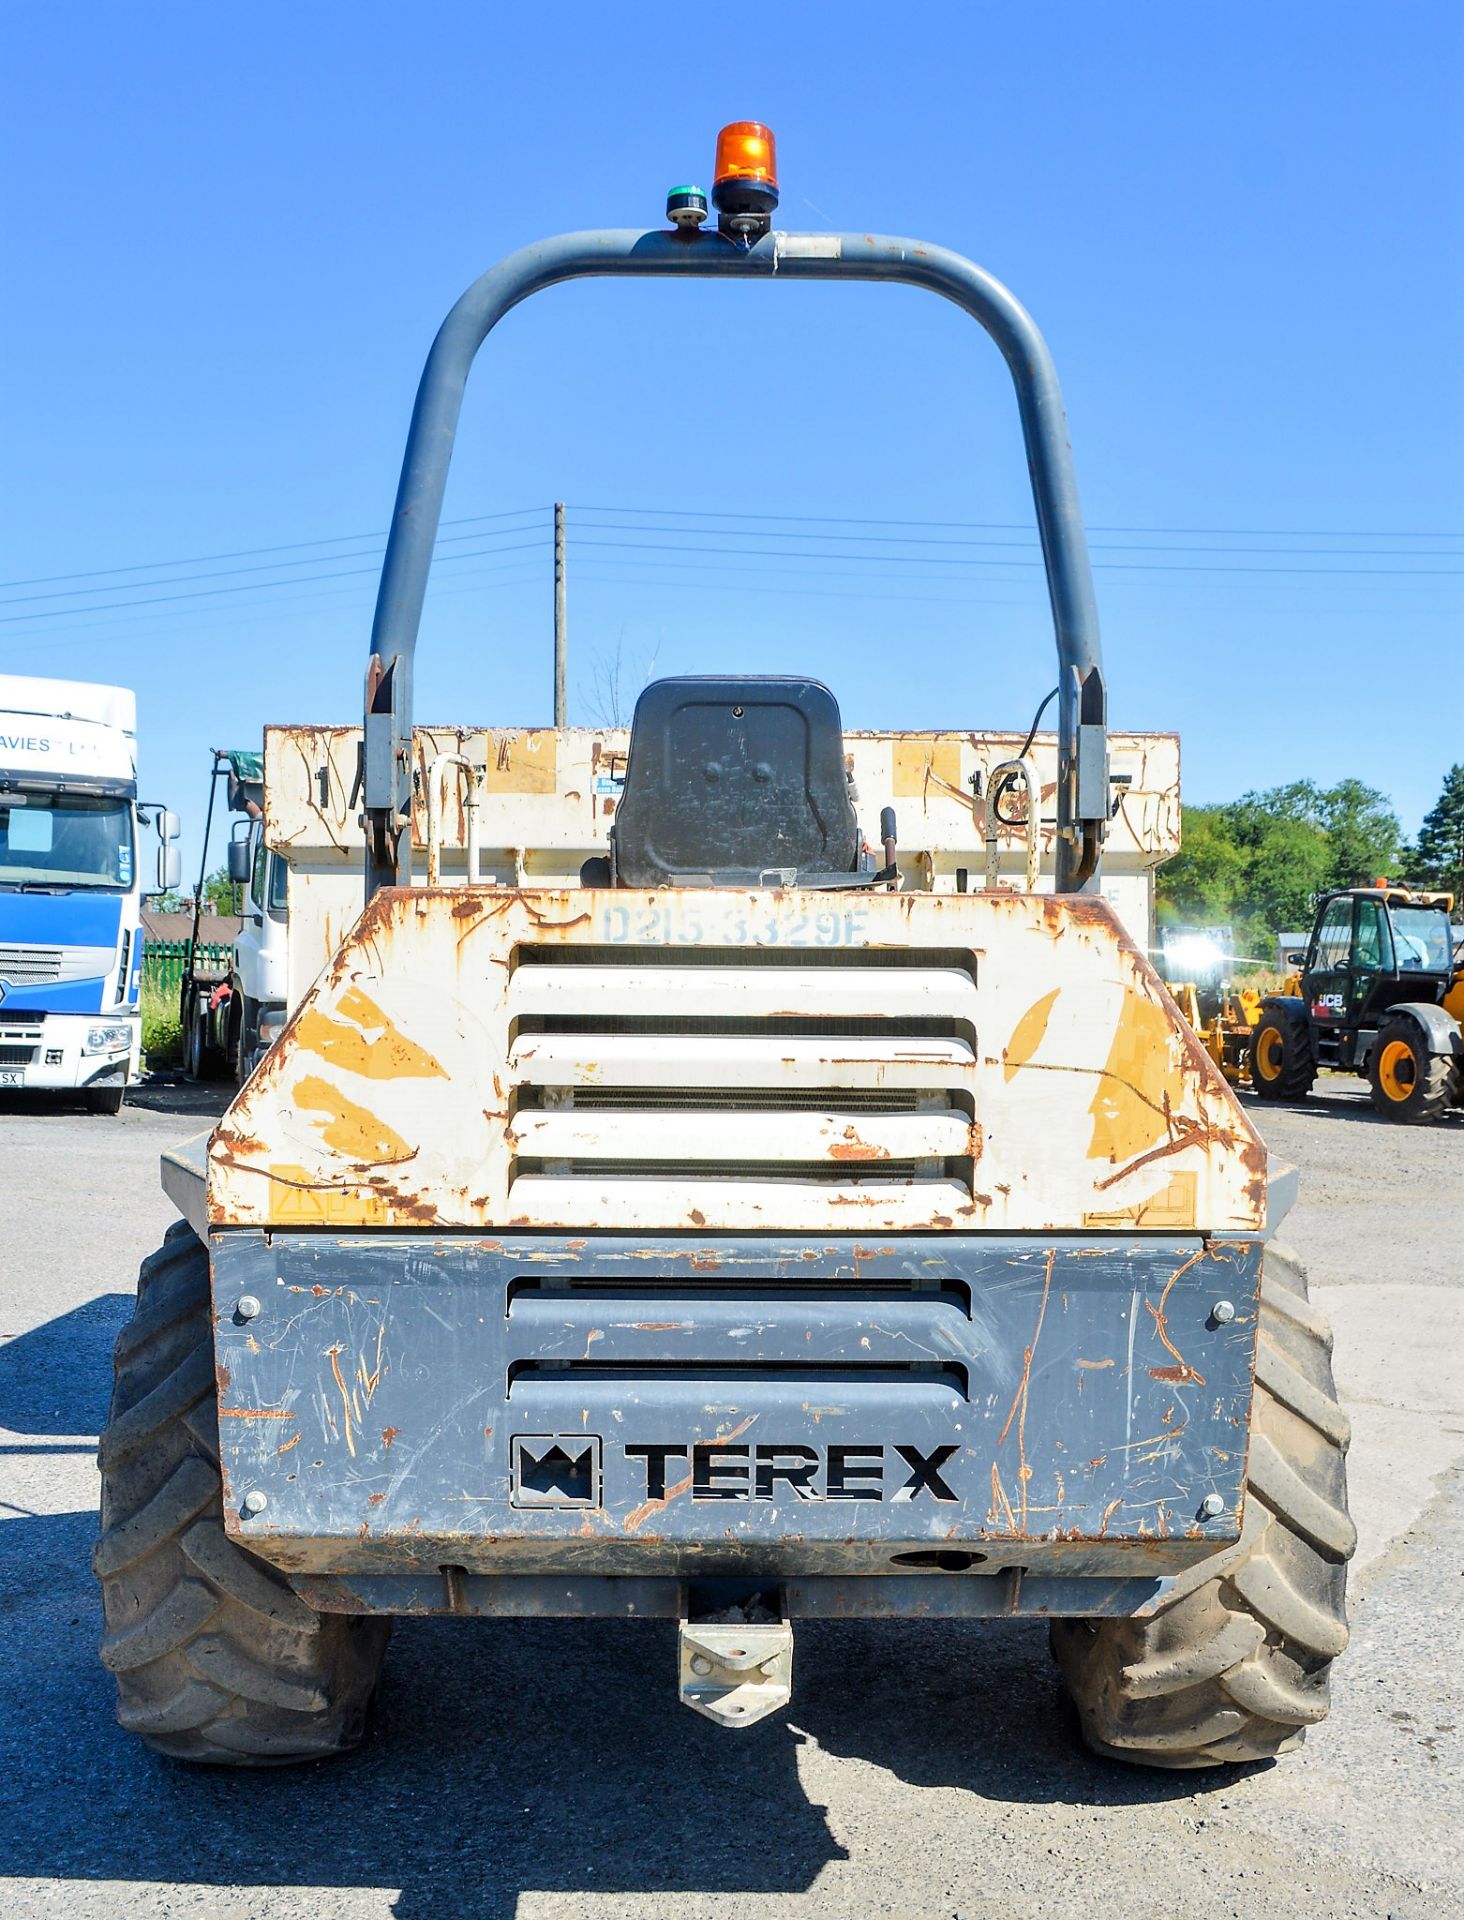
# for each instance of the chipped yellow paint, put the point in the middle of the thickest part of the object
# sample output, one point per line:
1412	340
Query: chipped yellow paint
345	1043
295	1202
1174	1208
350	1130
1027	1034
1089	1108
1142	1084
917	759
524	762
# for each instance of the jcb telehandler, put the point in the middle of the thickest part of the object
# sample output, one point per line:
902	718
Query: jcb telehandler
1377	994
756	1230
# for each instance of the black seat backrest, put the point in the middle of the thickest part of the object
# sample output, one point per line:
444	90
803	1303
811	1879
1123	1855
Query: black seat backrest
730	778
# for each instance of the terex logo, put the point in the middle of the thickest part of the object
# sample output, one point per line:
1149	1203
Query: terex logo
720	1471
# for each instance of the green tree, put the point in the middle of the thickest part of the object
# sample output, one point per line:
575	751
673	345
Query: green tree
220	894
1259	862
1363	834
1205	878
1438	858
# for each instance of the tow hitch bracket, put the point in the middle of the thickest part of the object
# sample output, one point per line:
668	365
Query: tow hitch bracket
735	1673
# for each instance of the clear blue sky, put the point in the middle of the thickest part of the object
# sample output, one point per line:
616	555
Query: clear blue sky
231	233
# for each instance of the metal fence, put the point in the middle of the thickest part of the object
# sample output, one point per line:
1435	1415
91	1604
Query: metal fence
165	961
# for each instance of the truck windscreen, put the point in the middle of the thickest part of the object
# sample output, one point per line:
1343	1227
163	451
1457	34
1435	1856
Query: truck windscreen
65	840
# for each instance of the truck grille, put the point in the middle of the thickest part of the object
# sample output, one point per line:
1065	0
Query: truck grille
835	1078
17	1056
30	966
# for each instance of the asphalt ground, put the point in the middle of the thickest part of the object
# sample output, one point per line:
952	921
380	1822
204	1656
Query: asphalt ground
924	1769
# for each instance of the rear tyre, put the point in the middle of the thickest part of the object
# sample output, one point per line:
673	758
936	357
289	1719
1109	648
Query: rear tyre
216	1658
1408	1082
1234	1666
1283	1065
104	1099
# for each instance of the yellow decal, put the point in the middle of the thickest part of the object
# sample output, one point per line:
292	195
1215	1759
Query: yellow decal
351	1130
1174	1206
294	1202
1141	1086
918	762
524	762
390	1056
1028	1032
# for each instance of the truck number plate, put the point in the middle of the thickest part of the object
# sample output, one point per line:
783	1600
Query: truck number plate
12	1076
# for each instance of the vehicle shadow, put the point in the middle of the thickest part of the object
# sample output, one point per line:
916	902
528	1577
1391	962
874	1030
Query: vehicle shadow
165	1094
57	1378
510	1757
1349	1104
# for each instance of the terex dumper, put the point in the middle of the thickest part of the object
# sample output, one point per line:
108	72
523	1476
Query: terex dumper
749	1230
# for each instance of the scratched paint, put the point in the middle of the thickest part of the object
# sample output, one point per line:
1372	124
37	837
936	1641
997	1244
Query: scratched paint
987	1062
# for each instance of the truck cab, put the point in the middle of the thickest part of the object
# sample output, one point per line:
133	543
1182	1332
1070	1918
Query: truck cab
230	1015
70	888
261	953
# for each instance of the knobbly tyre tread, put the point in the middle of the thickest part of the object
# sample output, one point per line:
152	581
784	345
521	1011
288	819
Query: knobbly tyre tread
1298	1059
1435	1089
215	1656
1234	1667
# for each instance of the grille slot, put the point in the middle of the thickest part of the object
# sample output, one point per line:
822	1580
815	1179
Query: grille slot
944	1373
822	1337
17	1056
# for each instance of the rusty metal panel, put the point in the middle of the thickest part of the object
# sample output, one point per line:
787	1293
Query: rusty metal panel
394	1097
957	1594
551	1406
557	789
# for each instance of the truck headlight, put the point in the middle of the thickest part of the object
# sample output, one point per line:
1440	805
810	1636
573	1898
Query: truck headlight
107	1039
271	1024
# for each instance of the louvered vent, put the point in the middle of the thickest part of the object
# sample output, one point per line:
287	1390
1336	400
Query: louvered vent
762	1087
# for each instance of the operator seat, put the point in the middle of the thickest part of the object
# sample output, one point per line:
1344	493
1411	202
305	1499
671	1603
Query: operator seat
736	781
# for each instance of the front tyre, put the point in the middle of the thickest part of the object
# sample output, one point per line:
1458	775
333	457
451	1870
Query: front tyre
1283	1063
216	1658
1234	1664
1408	1082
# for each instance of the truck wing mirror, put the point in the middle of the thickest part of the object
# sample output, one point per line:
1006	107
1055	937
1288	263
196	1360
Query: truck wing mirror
170	867
169	826
239	861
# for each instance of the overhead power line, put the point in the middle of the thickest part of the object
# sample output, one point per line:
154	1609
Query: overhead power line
250	553
916	540
211	593
922	560
710	513
1022	526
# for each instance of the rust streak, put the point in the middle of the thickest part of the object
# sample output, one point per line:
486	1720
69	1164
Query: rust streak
333	1354
1182	1371
1019	1404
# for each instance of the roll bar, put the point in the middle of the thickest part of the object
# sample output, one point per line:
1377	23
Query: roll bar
1082	792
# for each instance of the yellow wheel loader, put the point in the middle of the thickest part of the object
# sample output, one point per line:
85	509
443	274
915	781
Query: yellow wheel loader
762	1224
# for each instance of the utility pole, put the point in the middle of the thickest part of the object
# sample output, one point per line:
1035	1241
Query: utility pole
561	618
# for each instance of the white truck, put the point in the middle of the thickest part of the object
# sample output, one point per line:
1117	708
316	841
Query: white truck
230	1015
70	887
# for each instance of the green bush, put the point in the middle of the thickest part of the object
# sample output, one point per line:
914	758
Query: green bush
162	1032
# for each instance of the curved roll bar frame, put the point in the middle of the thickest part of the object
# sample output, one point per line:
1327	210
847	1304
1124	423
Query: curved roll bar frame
1082	795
